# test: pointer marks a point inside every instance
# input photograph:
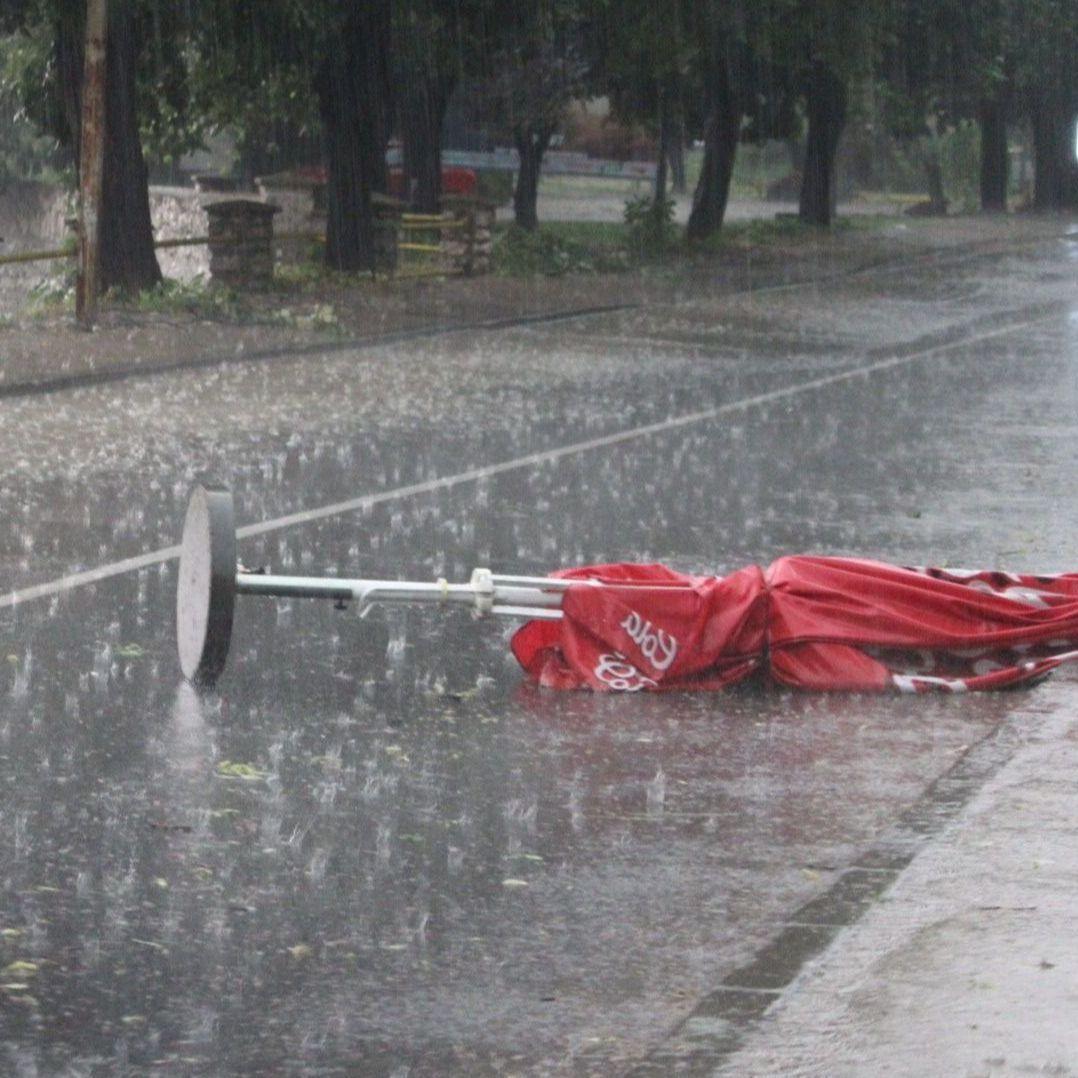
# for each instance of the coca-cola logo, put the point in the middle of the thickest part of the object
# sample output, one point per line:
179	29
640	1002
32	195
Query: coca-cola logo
617	673
656	645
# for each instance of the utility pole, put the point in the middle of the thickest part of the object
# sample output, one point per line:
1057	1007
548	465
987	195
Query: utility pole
91	161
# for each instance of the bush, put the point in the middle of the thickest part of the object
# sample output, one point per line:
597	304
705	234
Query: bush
494	185
551	253
960	158
25	151
650	224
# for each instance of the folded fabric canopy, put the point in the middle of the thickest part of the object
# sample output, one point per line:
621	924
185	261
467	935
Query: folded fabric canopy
805	622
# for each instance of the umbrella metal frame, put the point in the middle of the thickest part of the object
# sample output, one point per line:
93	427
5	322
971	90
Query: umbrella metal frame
210	578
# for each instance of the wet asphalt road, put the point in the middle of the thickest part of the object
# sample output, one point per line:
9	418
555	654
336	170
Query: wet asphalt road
376	850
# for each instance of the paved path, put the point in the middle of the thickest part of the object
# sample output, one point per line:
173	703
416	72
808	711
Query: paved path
969	966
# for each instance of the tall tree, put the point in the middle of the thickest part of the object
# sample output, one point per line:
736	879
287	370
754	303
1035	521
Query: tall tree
536	67
1045	38
332	58
127	258
641	58
955	57
991	68
716	63
28	147
997	61
745	96
353	88
826	98
426	69
825	46
917	89
436	45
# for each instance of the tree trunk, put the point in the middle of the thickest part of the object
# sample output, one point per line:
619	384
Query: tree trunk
677	158
825	96
1055	173
994	159
91	161
665	131
795	151
126	258
422	115
933	166
720	148
531	144
352	86
937	200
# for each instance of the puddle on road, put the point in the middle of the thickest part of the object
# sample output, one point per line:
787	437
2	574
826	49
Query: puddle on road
377	845
379	836
325	859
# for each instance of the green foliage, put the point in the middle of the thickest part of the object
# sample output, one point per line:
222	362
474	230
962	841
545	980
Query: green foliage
270	113
322	317
960	151
644	56
55	293
197	297
554	251
231	769
535	67
31	80
168	125
27	150
494	185
767	232
650	226
846	36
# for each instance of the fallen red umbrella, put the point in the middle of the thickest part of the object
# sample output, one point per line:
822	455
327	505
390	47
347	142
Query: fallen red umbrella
804	622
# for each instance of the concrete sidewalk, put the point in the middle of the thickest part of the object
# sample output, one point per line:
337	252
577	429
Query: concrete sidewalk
968	964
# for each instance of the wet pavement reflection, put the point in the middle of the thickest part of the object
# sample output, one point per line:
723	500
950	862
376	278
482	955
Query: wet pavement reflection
376	850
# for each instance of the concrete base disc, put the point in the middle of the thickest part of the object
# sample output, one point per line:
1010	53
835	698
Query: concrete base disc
206	586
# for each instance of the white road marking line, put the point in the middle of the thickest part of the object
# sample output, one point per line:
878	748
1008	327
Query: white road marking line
545	456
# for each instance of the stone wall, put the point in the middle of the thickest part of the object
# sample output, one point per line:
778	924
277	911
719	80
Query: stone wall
180	211
32	216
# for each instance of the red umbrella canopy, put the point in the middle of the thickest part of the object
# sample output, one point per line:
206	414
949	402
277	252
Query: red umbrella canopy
804	622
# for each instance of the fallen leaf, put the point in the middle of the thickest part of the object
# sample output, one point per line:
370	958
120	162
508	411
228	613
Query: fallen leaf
152	944
231	770
19	968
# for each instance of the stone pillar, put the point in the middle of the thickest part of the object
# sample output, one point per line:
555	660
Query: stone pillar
241	242
467	250
387	219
